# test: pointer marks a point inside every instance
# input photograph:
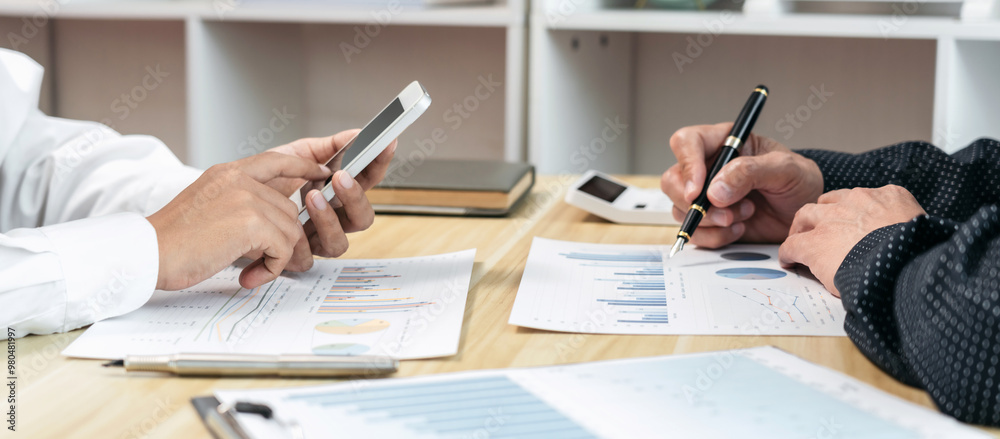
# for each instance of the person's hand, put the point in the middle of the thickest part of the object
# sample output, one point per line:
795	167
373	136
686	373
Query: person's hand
230	212
349	211
754	197
822	234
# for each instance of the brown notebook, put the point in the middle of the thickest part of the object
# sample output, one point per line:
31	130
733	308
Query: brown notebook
452	187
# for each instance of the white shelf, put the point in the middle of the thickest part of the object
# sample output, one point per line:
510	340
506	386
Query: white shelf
232	71
891	78
473	16
497	15
116	10
809	25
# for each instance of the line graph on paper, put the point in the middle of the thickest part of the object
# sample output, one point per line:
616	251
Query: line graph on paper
405	308
778	308
242	311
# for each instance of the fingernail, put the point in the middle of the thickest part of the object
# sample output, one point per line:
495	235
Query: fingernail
738	228
746	209
721	191
317	200
335	202
392	148
325	169
689	190
718	217
346	181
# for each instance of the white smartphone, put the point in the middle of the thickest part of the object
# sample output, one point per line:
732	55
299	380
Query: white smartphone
374	138
620	202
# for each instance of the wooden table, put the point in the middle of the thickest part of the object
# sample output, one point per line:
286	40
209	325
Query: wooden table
63	398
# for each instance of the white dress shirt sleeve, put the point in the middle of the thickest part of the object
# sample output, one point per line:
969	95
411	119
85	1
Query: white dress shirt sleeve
75	246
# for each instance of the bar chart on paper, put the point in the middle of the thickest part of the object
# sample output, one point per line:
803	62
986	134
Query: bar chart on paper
635	289
340	307
753	393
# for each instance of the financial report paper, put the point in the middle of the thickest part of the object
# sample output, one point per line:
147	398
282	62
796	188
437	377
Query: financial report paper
753	393
636	289
405	308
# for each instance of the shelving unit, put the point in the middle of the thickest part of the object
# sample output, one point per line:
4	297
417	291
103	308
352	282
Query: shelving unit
883	79
255	76
608	84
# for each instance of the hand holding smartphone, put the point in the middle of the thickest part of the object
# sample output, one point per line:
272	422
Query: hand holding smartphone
374	138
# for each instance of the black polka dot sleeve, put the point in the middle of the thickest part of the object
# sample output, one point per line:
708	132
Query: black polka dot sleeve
923	297
949	186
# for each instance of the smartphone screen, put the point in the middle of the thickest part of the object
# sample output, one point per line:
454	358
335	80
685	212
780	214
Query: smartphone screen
365	138
358	144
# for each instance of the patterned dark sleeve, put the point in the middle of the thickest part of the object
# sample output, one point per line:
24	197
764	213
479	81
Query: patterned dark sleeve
948	186
923	297
923	303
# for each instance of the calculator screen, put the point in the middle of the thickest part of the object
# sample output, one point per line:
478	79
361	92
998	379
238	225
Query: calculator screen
603	189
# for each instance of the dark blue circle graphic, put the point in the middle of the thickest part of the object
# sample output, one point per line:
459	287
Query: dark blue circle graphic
745	256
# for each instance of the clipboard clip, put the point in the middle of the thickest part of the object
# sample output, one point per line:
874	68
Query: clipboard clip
223	423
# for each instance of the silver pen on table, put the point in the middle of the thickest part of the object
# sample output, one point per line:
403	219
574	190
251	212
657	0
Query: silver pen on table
259	365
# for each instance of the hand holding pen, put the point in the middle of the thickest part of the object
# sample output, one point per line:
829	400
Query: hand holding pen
730	149
753	198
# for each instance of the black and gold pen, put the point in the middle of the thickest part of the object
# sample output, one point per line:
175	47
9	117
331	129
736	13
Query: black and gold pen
730	149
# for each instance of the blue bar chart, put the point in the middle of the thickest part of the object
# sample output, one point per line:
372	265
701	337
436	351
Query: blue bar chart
637	279
759	393
635	289
453	409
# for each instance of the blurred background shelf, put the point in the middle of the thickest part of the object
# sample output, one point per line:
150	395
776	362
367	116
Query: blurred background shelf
804	25
567	84
239	77
486	15
848	82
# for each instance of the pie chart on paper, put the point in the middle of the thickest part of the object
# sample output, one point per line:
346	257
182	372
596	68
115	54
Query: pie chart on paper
352	326
751	273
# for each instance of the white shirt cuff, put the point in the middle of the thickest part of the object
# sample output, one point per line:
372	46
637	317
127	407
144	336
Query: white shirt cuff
110	265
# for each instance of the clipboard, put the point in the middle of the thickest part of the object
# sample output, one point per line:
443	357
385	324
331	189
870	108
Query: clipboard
221	419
